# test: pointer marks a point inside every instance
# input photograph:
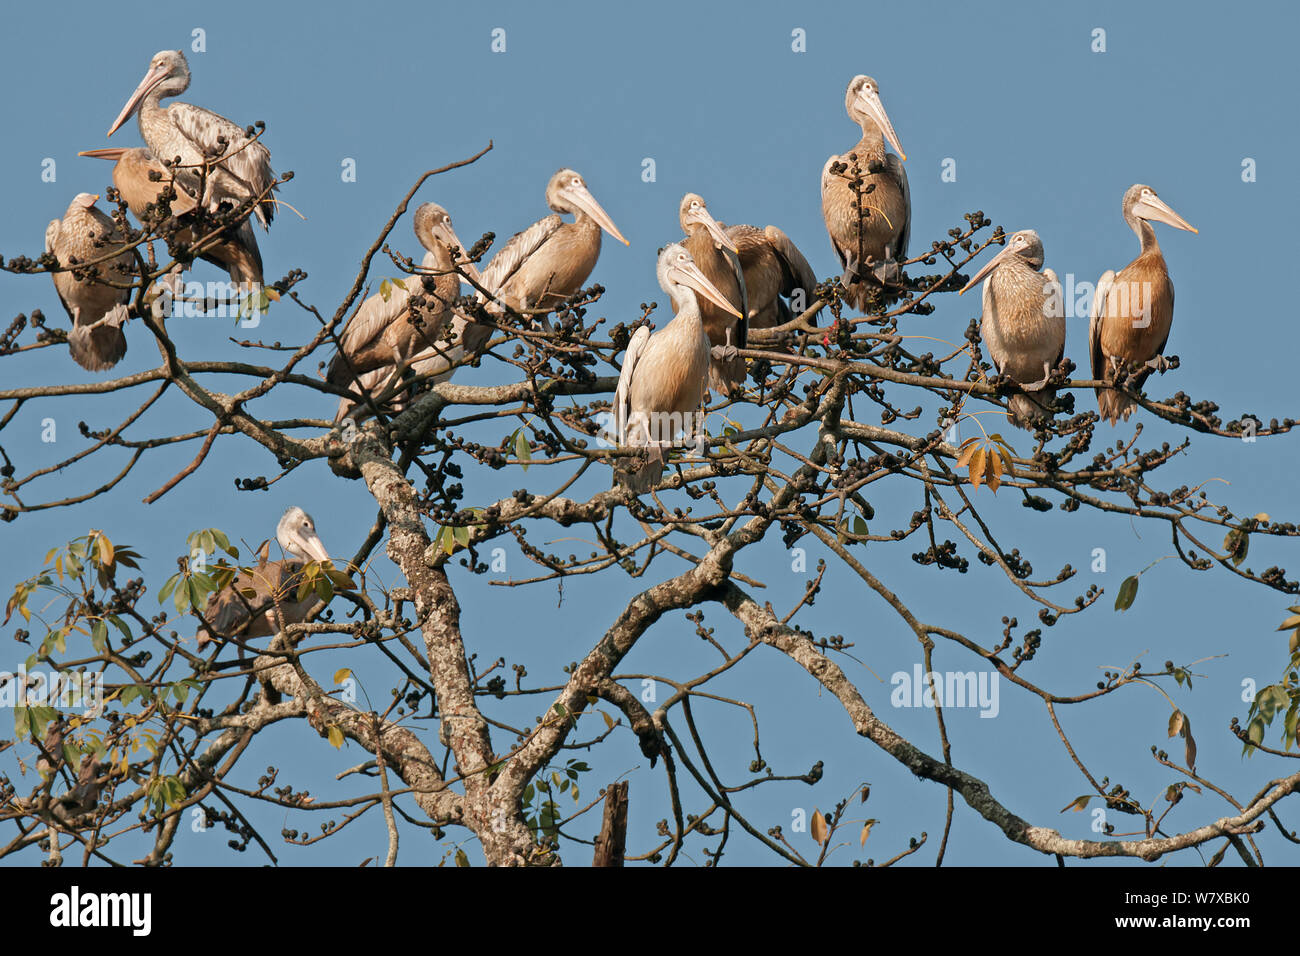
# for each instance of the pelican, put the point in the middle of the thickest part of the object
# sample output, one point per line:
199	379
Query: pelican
1132	312
665	376
881	233
236	251
240	168
551	259
234	612
1024	321
96	305
774	270
708	246
382	338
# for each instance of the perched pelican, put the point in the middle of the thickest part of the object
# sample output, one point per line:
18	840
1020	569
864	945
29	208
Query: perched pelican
708	246
97	306
881	232
241	167
236	251
664	376
381	336
1132	311
774	271
551	259
1024	321
232	612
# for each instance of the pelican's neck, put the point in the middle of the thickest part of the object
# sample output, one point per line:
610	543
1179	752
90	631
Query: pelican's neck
871	148
1146	235
686	306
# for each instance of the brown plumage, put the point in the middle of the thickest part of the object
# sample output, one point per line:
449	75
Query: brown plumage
774	270
1132	312
234	250
382	333
880	233
261	602
713	251
551	259
95	304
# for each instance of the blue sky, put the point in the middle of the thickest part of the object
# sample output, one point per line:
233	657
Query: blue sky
1045	134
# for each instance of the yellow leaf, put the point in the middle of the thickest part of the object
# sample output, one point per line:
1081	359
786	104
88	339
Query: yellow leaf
820	831
866	832
609	721
341	675
336	736
967	450
1175	723
977	468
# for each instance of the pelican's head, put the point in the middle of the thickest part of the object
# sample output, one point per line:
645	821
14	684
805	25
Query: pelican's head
83	201
681	278
567	192
168	74
433	228
694	213
863	103
296	533
1024	244
1141	202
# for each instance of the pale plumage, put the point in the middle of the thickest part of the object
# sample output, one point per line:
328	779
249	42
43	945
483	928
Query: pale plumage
551	259
1132	312
235	250
665	375
240	167
97	305
383	337
1023	322
881	229
235	612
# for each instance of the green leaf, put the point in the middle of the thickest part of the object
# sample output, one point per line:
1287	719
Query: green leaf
461	536
99	635
168	586
461	858
22	722
859	526
523	451
1127	592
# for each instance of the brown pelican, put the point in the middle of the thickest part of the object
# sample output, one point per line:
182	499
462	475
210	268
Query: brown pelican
881	232
708	246
234	612
236	251
551	259
1132	311
381	336
1024	321
773	268
241	167
665	376
97	306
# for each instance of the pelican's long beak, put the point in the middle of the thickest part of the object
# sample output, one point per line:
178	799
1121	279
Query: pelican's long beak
582	198
111	152
151	79
689	274
88	199
710	224
988	268
448	235
310	544
1157	209
868	101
